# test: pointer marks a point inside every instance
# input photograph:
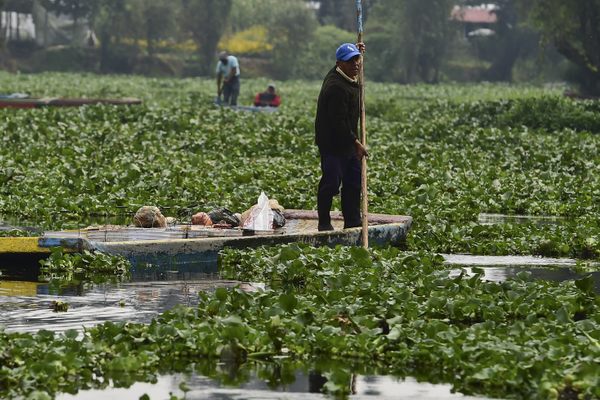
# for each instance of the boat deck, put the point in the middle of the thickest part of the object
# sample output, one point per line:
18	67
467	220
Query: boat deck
297	222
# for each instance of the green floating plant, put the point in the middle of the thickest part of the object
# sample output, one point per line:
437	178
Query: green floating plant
376	311
86	267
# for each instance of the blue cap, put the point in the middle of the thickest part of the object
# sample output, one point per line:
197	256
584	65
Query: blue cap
346	52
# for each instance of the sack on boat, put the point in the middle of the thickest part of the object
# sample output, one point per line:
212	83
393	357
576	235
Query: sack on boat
149	217
278	218
260	216
222	215
201	218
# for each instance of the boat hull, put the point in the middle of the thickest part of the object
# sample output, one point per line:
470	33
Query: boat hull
62	102
201	254
159	248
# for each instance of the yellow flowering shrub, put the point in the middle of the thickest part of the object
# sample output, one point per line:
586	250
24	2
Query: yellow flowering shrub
251	40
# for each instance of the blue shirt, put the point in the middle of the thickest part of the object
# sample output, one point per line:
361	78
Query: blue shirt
232	62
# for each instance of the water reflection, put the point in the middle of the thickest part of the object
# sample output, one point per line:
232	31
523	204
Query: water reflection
27	306
365	387
467	259
501	268
497	274
491	219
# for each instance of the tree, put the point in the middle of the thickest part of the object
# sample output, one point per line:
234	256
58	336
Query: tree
512	39
1	6
342	13
77	9
111	20
290	31
206	20
106	17
319	56
248	13
19	6
573	26
408	39
158	17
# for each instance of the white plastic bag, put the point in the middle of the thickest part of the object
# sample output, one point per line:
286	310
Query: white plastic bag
261	215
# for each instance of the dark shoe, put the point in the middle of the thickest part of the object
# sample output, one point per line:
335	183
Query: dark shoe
352	226
325	227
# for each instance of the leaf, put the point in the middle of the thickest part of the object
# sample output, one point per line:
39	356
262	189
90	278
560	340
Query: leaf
483	374
183	386
562	315
232	320
71	334
361	257
586	285
288	254
37	395
221	294
288	302
395	333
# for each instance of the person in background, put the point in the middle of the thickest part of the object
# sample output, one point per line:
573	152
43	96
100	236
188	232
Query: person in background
268	98
336	125
228	78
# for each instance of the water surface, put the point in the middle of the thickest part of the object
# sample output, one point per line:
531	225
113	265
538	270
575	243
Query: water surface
304	387
28	307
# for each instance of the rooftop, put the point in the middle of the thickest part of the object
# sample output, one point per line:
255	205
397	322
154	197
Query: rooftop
474	15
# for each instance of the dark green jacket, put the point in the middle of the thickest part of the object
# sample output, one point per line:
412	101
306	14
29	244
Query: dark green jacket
337	117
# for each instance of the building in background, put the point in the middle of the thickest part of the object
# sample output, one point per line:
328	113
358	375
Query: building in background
16	21
28	20
476	20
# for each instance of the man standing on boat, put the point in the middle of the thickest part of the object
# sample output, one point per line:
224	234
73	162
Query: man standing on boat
228	78
336	122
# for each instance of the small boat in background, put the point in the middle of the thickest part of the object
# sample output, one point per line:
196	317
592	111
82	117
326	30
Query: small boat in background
266	109
195	248
255	109
34	102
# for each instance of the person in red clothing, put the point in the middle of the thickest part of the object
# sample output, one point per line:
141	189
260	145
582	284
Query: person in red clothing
268	98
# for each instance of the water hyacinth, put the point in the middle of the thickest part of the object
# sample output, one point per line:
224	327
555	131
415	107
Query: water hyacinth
442	154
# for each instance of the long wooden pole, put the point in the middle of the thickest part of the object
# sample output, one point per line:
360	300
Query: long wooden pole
363	134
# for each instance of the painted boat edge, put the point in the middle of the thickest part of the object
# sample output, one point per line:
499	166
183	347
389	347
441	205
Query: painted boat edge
28	244
64	102
203	252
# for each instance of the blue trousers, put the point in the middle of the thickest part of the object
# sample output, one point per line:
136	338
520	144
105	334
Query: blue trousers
231	91
344	171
